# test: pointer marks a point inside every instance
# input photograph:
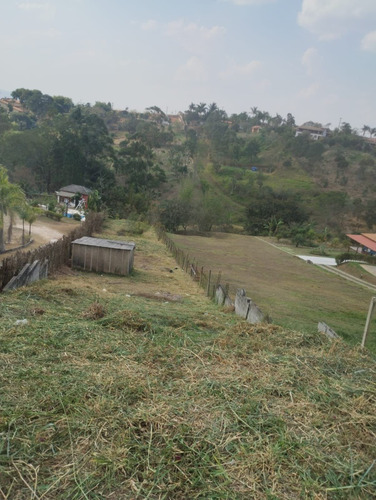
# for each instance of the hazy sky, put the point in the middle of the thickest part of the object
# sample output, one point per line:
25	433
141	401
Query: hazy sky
313	58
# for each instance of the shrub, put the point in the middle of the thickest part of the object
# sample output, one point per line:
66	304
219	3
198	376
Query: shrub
53	215
359	256
77	217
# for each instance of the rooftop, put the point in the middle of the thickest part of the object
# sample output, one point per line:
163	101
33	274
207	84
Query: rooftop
74	188
363	240
99	242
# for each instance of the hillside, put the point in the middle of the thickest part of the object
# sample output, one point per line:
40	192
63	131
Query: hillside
140	387
218	170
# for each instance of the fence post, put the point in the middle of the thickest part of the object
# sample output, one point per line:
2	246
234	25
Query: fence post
368	322
208	287
201	273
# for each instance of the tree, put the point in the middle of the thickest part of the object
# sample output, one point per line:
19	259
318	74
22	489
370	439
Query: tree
179	158
370	214
94	201
267	205
341	163
11	197
365	129
157	114
302	234
346	128
290	120
252	149
173	214
32	216
209	210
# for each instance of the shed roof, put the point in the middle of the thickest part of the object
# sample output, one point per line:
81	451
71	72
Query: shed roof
100	242
74	188
363	240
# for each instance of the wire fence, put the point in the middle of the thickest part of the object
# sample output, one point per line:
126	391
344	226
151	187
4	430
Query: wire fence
57	253
208	280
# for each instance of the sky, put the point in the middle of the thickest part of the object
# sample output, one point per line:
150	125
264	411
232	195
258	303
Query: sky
315	59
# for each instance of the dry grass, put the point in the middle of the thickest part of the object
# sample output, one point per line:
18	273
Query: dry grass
174	399
295	294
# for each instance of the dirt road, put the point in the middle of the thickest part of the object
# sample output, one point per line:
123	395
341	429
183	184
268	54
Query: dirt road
44	230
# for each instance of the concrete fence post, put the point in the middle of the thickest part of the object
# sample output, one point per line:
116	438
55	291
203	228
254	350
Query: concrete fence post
208	287
368	322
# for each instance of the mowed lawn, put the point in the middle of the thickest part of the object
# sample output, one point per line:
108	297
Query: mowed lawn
295	294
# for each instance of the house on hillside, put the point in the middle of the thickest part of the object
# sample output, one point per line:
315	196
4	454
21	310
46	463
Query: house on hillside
314	132
9	104
67	195
365	242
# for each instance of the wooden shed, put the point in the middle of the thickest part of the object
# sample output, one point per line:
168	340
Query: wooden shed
103	256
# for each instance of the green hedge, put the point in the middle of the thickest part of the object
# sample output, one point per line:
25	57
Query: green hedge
53	215
358	256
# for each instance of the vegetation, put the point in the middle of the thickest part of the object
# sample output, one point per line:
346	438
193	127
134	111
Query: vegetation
236	166
140	387
12	200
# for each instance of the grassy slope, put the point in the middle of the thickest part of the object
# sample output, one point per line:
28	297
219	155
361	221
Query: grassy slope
167	396
295	294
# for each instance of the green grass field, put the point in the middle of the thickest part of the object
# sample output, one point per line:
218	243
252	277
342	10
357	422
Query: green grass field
295	294
140	387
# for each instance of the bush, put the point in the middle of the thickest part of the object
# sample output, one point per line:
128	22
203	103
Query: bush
77	217
358	256
53	215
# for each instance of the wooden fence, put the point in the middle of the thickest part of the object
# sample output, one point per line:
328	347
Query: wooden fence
207	280
57	253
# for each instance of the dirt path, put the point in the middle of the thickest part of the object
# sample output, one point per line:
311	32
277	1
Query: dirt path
44	230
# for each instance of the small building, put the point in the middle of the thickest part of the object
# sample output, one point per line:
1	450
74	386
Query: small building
315	133
67	195
103	256
365	243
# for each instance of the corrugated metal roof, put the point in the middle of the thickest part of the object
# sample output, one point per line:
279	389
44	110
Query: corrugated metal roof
363	240
100	242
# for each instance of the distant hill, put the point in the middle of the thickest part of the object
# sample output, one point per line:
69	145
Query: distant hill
253	170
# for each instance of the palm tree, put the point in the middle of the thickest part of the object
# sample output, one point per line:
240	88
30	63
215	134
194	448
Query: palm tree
11	197
365	129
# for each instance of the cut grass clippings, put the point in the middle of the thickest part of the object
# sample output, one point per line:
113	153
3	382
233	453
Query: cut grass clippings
174	399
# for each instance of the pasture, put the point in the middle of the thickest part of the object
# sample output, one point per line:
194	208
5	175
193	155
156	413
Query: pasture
295	294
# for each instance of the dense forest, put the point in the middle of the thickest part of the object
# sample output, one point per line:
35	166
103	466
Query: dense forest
200	169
